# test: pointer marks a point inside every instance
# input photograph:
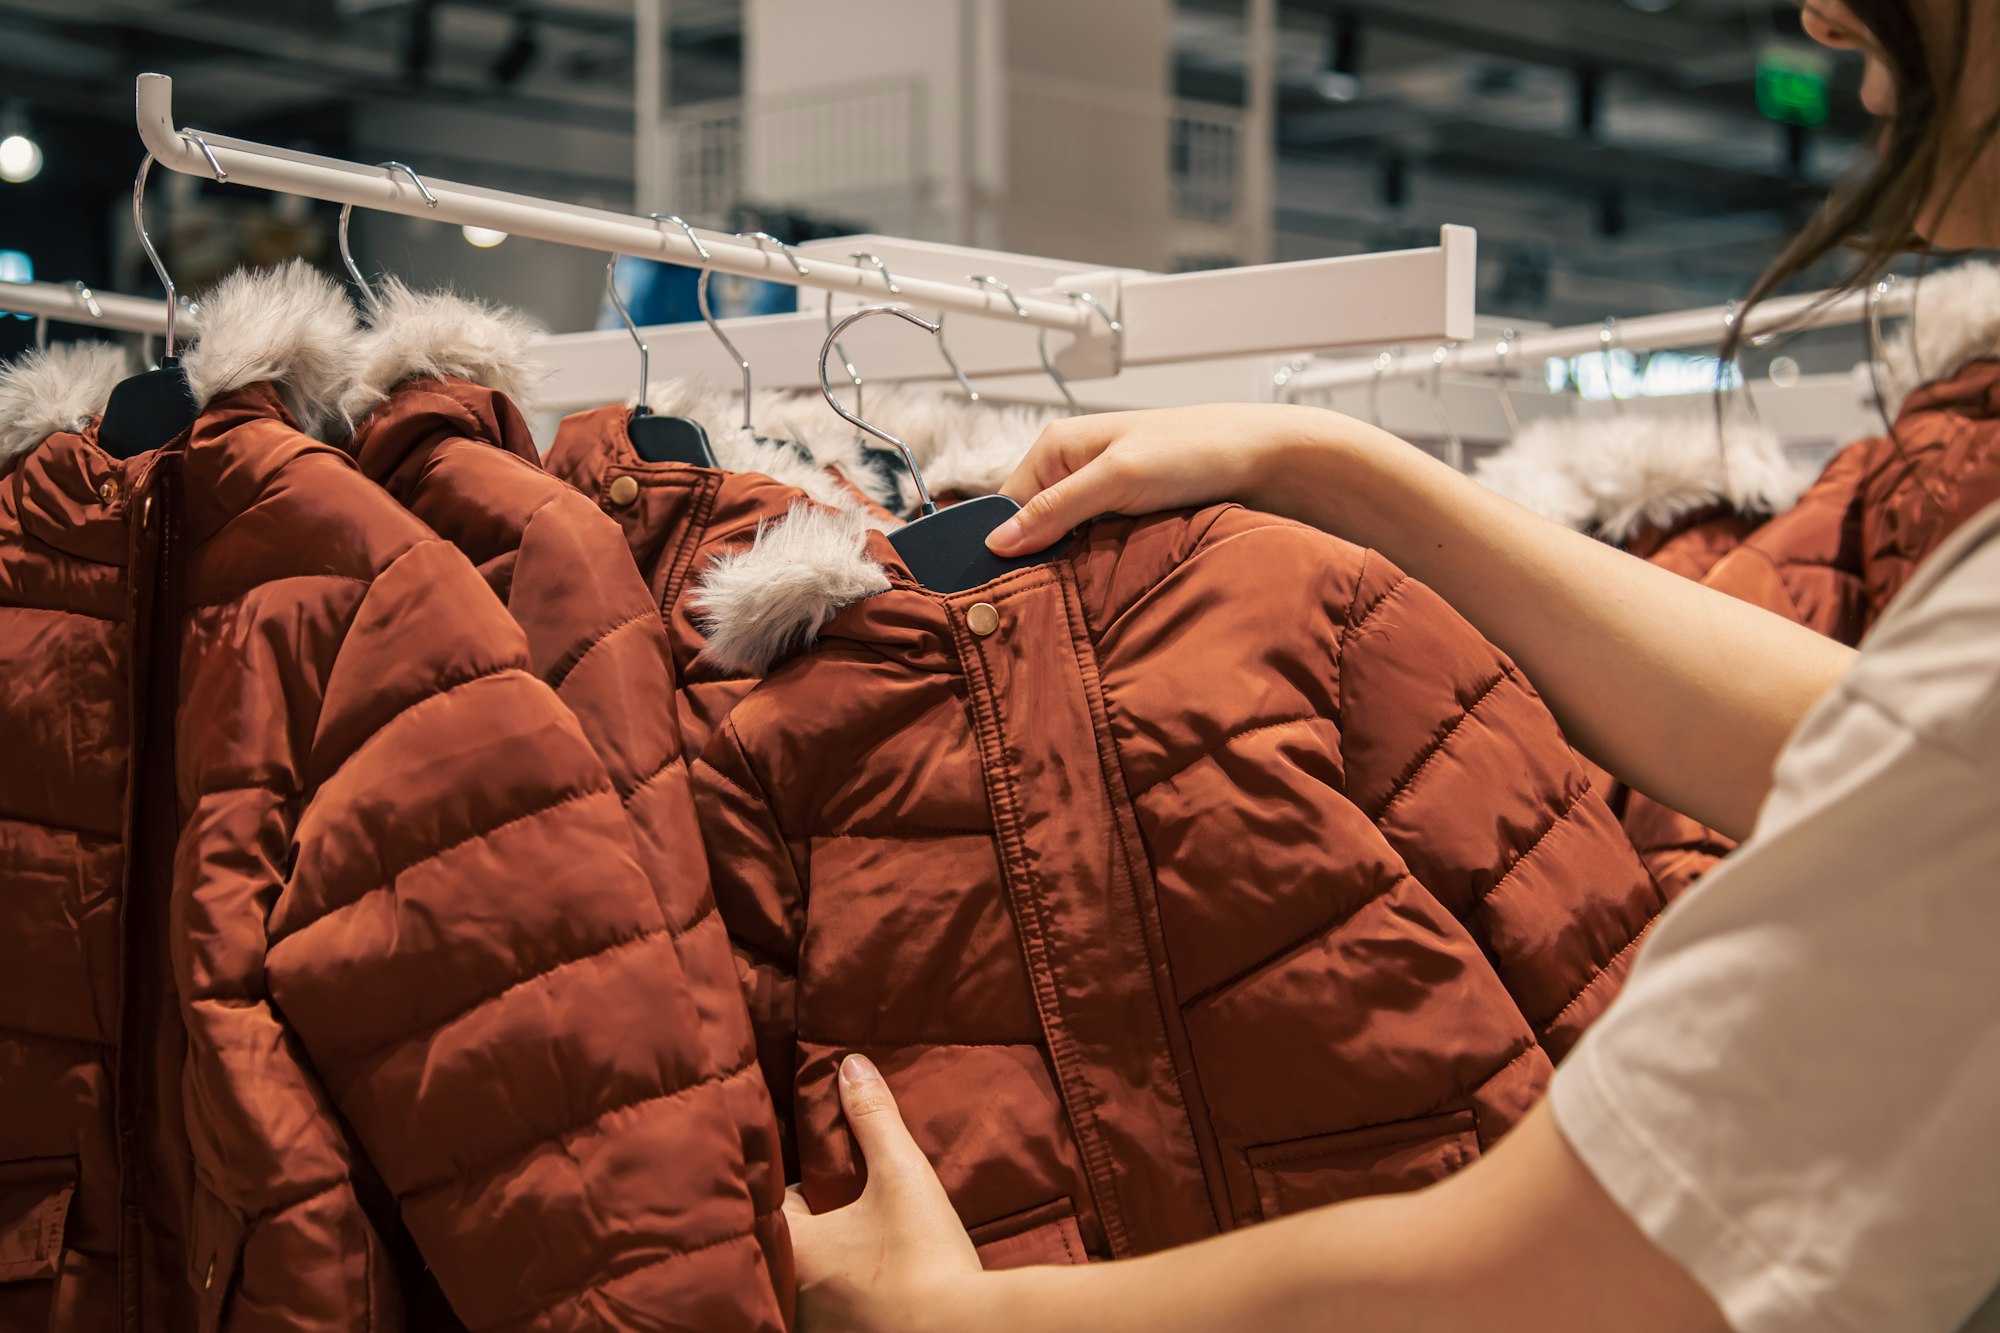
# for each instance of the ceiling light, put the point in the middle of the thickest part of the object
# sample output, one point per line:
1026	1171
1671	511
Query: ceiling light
483	237
20	159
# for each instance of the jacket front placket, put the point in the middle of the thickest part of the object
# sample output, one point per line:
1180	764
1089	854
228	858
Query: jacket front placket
1073	862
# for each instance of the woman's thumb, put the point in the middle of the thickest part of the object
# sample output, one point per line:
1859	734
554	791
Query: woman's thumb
877	1125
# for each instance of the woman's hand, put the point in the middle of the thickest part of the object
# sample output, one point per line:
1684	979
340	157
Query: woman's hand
895	1259
1139	462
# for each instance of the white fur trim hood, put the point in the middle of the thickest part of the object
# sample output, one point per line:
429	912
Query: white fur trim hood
962	446
1956	322
1614	475
45	391
440	334
764	604
290	325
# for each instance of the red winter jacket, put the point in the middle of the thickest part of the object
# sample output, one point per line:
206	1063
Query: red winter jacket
438	428
1210	872
318	909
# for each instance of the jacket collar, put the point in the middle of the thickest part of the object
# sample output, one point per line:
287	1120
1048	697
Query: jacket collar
1619	475
1931	358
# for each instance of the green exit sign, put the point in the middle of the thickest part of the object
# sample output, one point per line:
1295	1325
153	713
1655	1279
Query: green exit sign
1791	86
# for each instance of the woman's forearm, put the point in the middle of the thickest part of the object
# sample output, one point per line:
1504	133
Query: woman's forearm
1685	693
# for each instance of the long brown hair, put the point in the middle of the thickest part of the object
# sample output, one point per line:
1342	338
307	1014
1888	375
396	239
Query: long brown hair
1876	213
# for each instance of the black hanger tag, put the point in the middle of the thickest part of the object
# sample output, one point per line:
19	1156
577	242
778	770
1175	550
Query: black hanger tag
670	440
147	411
946	551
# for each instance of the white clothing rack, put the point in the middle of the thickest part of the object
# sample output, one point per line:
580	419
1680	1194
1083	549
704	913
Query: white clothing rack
105	310
1315	304
1687	328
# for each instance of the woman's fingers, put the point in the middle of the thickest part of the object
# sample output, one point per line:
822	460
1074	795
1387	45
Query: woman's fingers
892	1155
1052	511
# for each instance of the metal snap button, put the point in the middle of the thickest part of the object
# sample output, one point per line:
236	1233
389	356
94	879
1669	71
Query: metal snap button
146	513
107	490
624	490
209	1281
982	619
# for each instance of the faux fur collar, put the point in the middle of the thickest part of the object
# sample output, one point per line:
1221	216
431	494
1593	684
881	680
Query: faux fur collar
964	448
1614	475
440	335
290	325
57	389
770	601
1956	322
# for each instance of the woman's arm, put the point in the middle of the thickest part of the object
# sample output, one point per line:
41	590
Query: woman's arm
1682	692
1526	1241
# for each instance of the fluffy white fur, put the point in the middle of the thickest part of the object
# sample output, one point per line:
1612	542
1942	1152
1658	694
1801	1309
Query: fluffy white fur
441	334
762	605
1613	475
1957	322
58	389
961	446
291	325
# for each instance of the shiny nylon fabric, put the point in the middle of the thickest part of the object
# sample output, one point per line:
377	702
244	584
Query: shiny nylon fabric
1835	560
403	898
682	519
1232	874
461	458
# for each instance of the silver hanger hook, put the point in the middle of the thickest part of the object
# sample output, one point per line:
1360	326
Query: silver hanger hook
347	212
1607	339
1730	311
1877	348
1501	350
708	317
927	506
1454	446
1062	385
42	333
853	375
1383	360
146	244
87	299
221	176
988	280
1286	374
971	394
682	223
645	353
787	251
861	257
1117	329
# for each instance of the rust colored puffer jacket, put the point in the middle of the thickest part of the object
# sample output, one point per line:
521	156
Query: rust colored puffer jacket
1214	871
438	427
331	968
1835	560
677	519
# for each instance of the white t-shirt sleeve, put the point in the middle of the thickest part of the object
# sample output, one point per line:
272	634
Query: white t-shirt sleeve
1798	1094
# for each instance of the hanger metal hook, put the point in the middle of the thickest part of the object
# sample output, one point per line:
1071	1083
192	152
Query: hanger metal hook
787	251
1383	360
146	244
988	280
1117	329
861	257
87	299
1049	365
645	353
1730	311
1454	446
42	333
221	176
971	394
682	223
927	506
1285	374
735	353
347	212
1501	350
1607	339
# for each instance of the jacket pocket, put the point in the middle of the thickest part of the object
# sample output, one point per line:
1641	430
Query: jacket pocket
35	1194
1381	1159
1044	1234
215	1245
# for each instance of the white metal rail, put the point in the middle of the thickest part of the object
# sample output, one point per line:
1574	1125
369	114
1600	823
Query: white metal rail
1686	328
81	305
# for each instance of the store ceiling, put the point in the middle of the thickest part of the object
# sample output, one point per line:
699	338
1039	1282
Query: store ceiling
1674	190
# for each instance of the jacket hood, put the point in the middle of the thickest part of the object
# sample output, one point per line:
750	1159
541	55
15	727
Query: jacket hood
1955	322
768	602
1615	475
59	388
440	335
964	448
291	326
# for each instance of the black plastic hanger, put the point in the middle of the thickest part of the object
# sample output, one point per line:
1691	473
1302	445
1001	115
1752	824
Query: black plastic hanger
945	549
655	438
151	409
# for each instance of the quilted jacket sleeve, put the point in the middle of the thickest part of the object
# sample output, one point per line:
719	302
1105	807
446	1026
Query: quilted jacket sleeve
483	978
760	892
1454	756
